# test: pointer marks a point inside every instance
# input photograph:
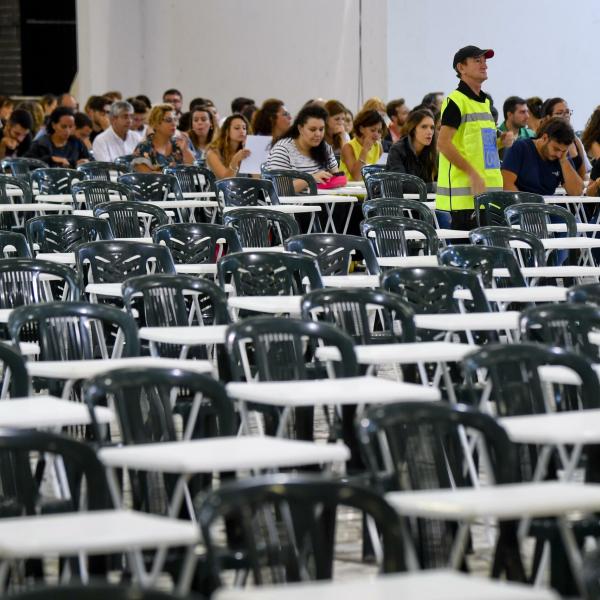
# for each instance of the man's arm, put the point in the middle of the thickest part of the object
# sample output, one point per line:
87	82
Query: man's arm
572	181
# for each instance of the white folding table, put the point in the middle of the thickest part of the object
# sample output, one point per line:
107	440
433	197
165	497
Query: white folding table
509	295
194	335
329	201
408	261
356	280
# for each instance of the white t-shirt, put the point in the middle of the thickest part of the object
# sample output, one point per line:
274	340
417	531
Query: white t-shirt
108	145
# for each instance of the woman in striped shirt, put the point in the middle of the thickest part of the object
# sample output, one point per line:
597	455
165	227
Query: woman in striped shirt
303	147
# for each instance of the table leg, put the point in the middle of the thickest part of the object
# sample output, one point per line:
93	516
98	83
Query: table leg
347	223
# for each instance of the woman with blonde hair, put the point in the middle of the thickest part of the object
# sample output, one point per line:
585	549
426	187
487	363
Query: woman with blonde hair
227	151
165	147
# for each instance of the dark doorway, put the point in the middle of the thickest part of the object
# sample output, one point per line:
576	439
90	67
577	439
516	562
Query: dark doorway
48	46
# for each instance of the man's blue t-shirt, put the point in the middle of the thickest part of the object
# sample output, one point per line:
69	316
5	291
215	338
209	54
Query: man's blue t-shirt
533	173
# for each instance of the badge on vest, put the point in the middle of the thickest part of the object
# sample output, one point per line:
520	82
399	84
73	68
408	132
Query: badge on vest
491	160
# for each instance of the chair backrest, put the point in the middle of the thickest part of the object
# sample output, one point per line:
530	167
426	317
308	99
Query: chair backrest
114	261
533	255
25	281
192	178
391	184
334	251
283	349
483	260
566	325
268	273
13	368
260	228
430	290
534	218
64	233
285	526
424	446
388	236
369	170
7	182
151	186
351	310
398	207
98	192
100	170
131	219
283	181
54	180
76	330
243	191
14	245
125	161
489	206
22	167
585	293
197	242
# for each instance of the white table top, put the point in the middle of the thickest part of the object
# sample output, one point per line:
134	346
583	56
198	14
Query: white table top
563	243
267	304
47	411
540	293
492	321
63	258
568	427
408	261
316	392
35	207
191	335
4	314
423	585
511	501
197	268
571	200
84	369
285	208
319	199
265	249
553	271
581	227
190	203
357	280
223	454
114	290
347	190
381	354
562	375
443	234
58	198
95	532
192	195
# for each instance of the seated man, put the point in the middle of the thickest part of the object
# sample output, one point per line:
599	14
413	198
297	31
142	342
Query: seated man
540	165
15	137
118	139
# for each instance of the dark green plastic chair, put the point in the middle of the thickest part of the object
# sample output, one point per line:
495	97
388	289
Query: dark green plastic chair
534	218
268	273
243	191
285	527
388	236
283	181
502	236
390	184
64	233
334	251
97	170
13	366
125	161
585	293
196	242
131	219
489	206
192	178
54	180
398	207
483	260
98	192
151	186
348	309
261	227
369	170
8	220
14	245
96	591
22	167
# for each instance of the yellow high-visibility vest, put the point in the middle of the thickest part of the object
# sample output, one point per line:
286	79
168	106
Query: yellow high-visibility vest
475	139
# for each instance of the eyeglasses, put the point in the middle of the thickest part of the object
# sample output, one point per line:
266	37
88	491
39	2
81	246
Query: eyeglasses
565	113
285	114
170	120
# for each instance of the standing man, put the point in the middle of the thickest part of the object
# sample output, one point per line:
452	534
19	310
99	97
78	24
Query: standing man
469	164
118	139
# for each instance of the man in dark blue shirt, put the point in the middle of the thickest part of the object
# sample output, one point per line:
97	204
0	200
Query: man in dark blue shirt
541	165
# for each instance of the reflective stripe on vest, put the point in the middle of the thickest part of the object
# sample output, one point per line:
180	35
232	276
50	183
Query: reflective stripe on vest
475	139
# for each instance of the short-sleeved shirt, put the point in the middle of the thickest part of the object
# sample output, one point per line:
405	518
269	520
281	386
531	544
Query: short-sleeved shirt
285	155
372	156
146	154
534	174
43	148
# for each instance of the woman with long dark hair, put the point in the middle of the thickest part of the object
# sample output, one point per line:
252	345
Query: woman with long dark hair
272	118
365	146
226	152
203	129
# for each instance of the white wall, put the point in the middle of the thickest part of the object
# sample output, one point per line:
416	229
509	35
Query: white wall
290	49
542	48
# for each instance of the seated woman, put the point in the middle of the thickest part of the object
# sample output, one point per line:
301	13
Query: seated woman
162	148
415	152
58	147
303	147
365	147
335	127
272	118
227	151
591	136
202	131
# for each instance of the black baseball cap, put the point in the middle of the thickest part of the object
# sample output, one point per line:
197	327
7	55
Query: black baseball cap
470	52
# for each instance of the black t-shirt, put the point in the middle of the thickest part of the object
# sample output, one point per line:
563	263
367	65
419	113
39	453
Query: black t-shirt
451	116
44	149
20	149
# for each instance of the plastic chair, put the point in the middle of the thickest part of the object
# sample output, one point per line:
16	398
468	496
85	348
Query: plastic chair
192	178
100	170
155	187
502	236
14	245
585	293
64	233
387	235
14	381
131	219
534	218
113	262
260	228
98	192
283	181
192	243
242	191
334	252
268	273
398	207
369	170
125	161
8	219
95	591
390	184
285	527
22	167
54	180
489	206
483	260
348	310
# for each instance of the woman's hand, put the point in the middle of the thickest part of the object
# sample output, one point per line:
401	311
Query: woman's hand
238	157
59	160
322	176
